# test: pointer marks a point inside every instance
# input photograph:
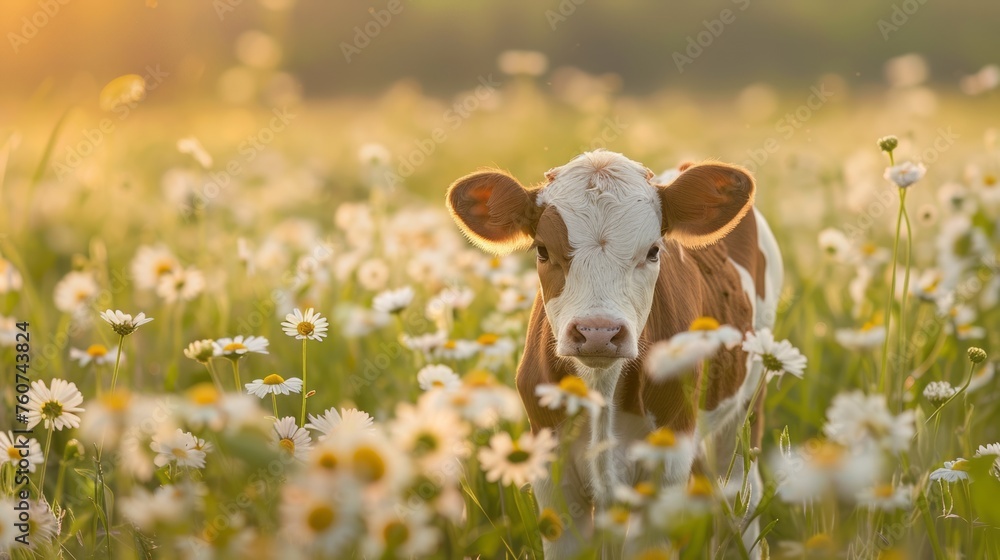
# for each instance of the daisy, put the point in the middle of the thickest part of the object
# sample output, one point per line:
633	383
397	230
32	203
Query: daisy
14	449
180	448
812	470
291	439
660	447
885	497
869	336
990	449
320	515
518	462
122	323
43	525
619	520
8	517
274	384
111	414
98	354
393	301
55	405
10	277
550	525
677	356
180	284
427	344
937	392
438	376
778	357
201	350
311	325
237	347
570	393
835	245
405	533
75	291
373	274
346	422
456	349
374	154
905	174
953	471
483	400
856	419
435	437
166	506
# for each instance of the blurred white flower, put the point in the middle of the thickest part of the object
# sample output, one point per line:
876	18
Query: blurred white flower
435	437
15	448
150	263
181	448
321	515
274	384
310	325
200	350
571	394
373	274
239	346
988	449
374	154
407	534
10	278
438	376
97	354
869	336
660	447
905	174
937	392
885	497
835	245
180	284
810	471
858	420
518	462
347	422
75	291
953	471
291	439
54	406
393	301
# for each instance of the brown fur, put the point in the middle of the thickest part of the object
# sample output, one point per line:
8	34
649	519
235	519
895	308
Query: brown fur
705	203
494	210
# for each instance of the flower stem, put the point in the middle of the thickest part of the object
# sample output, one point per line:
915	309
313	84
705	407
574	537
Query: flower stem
960	391
305	387
213	375
906	289
45	461
236	375
274	403
892	294
118	362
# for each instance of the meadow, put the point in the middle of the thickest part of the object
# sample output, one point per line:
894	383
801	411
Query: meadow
191	436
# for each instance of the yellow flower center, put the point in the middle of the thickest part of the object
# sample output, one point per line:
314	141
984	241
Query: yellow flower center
274	379
163	267
653	554
395	534
883	491
479	378
869	248
573	385
204	394
233	347
116	402
487	339
327	460
819	540
645	489
549	524
180	453
699	486
437	383
320	518
827	455
368	464
618	515
989	180
305	328
287	445
960	465
663	437
704	324
869	326
449	344
13	453
97	351
495	262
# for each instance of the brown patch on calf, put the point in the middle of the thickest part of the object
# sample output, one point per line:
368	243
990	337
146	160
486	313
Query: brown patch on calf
539	364
744	249
552	234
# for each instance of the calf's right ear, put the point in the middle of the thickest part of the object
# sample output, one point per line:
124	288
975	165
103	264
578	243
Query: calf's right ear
494	211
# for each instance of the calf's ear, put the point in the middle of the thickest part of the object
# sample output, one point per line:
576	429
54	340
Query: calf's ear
494	210
705	202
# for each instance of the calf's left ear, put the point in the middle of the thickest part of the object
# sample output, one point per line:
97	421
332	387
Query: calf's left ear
705	202
494	210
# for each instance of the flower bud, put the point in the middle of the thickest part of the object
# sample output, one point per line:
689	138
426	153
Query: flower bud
888	143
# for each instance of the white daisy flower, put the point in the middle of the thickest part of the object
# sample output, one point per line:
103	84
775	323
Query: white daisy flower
122	323
291	439
989	449
836	245
953	471
671	358
518	462
10	277
811	471
181	448
393	301
237	347
373	274
348	421
150	263
274	384
8	517
869	336
200	350
937	392
180	284
75	291
97	354
320	514
372	153
885	497
15	448
43	526
111	414
310	325
456	349
426	344
166	506
905	174
438	376
659	448
483	400
778	357
570	393
55	405
635	496
620	521
435	437
855	419
408	533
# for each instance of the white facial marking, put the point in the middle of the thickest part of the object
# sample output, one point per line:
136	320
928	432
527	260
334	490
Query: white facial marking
612	216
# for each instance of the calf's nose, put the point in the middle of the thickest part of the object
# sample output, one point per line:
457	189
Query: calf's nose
597	336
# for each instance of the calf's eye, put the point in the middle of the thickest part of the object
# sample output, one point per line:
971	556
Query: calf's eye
654	254
543	253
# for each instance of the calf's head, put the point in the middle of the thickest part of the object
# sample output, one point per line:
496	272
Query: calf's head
598	226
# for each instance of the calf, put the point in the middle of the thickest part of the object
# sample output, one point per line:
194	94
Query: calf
624	262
